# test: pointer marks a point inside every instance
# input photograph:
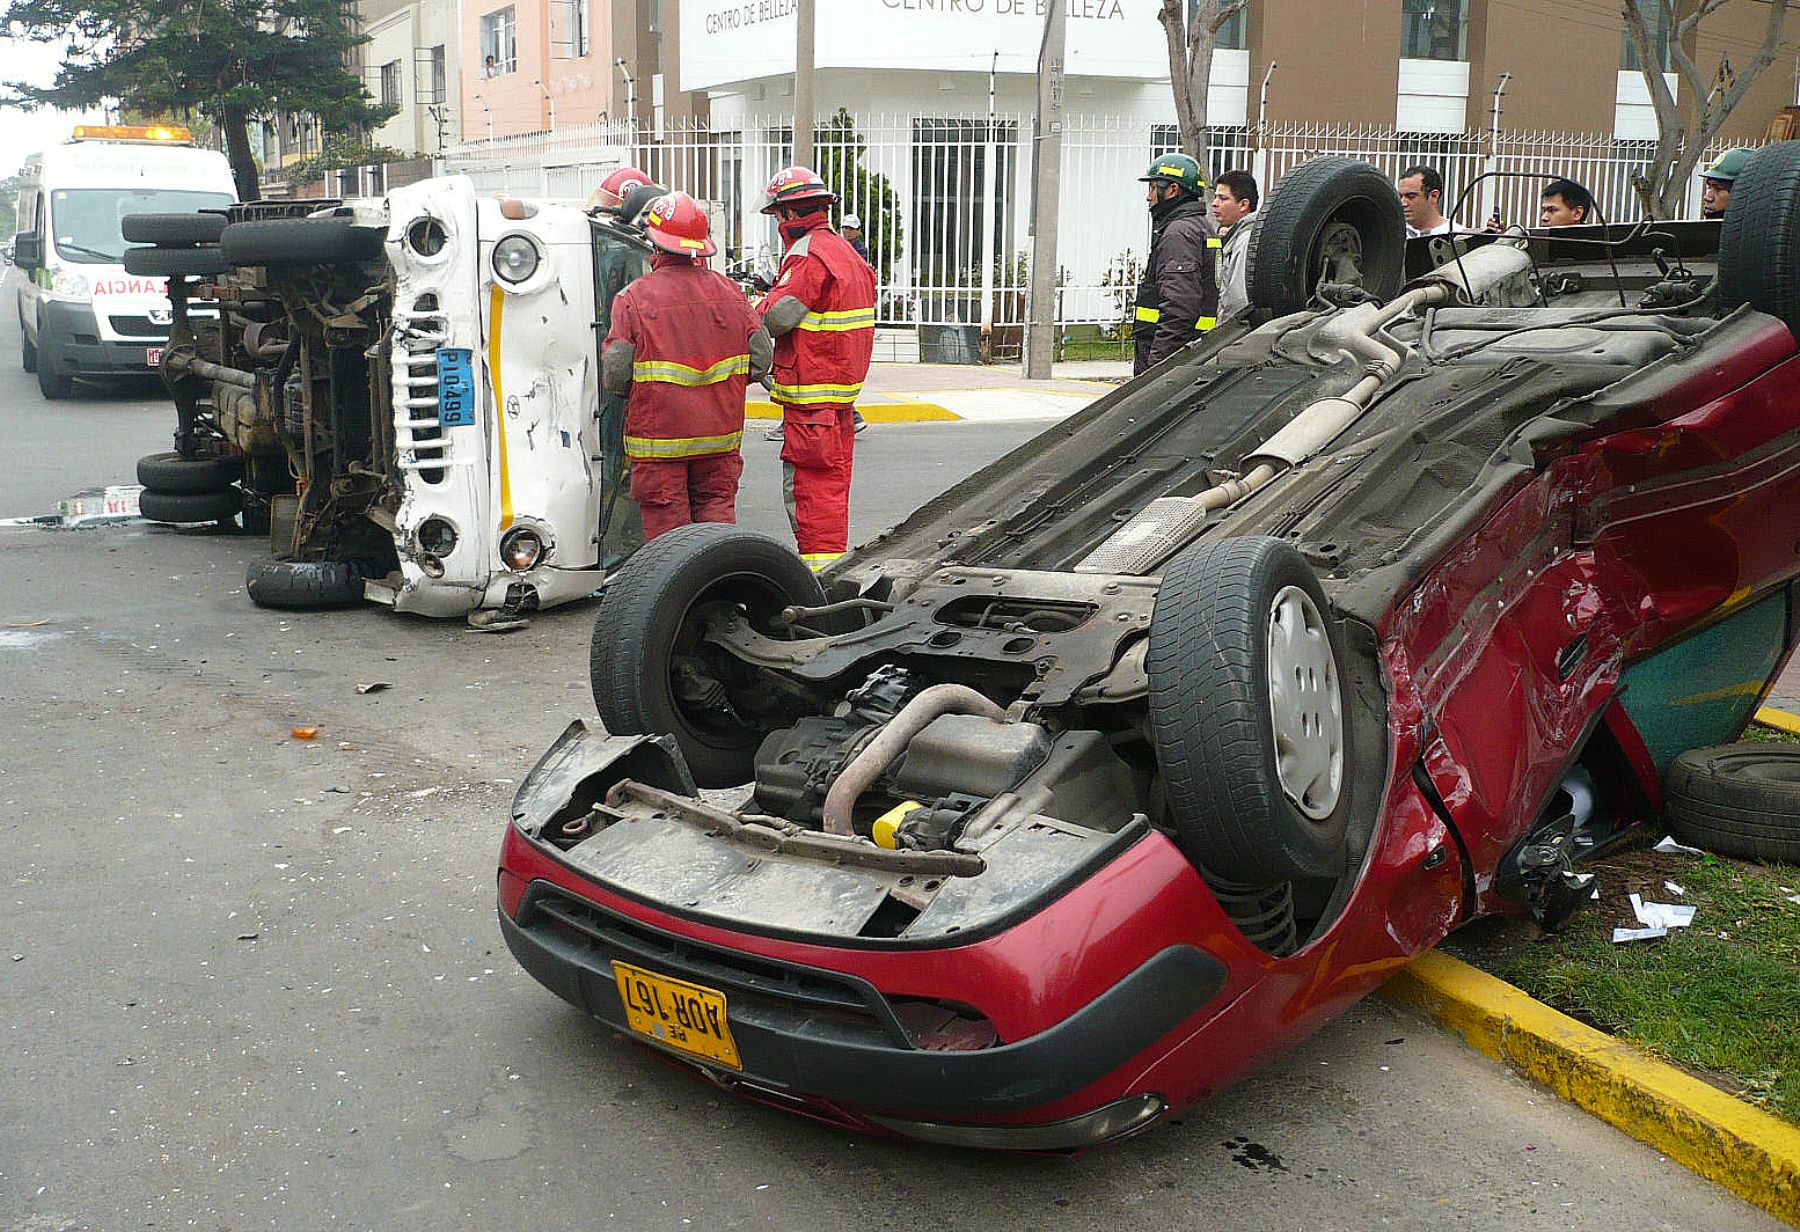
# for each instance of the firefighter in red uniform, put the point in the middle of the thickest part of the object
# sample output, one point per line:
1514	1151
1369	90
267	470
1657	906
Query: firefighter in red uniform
821	313
682	347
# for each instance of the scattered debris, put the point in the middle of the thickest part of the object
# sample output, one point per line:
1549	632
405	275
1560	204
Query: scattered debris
304	733
374	686
248	936
1622	935
1670	845
1662	915
1675	889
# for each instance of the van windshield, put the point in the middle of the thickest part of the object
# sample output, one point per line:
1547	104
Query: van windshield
85	221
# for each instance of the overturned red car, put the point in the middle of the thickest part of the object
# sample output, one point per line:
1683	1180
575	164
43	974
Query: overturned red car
1128	762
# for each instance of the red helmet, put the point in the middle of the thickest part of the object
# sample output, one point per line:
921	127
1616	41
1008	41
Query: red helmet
794	185
613	188
676	223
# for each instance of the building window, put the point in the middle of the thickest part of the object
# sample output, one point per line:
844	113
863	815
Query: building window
440	75
499	52
390	84
1233	35
1434	29
1658	22
578	28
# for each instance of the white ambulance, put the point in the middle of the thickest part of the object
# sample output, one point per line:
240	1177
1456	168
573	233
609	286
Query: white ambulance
82	315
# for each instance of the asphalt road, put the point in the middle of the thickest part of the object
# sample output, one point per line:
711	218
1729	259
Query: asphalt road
252	982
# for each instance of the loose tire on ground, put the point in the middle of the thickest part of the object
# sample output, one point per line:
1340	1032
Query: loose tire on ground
1247	712
299	241
200	262
651	613
1737	799
184	507
170	472
172	230
1323	203
1759	241
296	585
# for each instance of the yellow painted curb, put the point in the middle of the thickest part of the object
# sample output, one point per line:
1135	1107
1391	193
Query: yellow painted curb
1781	720
1748	1151
875	412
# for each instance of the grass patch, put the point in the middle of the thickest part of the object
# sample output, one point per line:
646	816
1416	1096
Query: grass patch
1094	348
1721	998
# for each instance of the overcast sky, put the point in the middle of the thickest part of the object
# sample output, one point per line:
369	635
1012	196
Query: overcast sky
26	132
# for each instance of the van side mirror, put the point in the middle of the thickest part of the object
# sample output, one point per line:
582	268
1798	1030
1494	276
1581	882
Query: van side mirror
28	250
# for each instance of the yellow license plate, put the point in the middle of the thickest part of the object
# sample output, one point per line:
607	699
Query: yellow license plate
674	1012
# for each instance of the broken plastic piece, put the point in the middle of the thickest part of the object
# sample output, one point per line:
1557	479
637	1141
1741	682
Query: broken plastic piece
1671	846
304	733
374	686
1663	916
1622	935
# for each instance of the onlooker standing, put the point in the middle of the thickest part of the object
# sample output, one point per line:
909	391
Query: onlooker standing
1564	203
1716	181
852	229
821	313
1178	298
683	345
1234	208
1421	191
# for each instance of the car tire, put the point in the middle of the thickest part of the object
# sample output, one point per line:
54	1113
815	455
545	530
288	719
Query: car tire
200	262
53	385
1324	202
300	241
1759	241
648	615
170	472
1737	799
185	507
172	230
300	585
28	357
1254	770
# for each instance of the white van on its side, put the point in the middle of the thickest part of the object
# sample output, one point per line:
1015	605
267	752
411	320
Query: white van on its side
82	315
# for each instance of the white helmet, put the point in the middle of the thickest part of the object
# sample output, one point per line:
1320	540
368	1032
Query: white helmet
852	221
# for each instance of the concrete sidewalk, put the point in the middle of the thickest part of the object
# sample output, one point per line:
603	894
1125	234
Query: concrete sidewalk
911	393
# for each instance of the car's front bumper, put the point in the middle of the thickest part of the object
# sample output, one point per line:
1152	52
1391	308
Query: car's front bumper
69	344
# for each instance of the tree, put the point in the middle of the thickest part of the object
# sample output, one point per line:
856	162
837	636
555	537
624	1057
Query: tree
229	60
839	149
1192	28
1684	130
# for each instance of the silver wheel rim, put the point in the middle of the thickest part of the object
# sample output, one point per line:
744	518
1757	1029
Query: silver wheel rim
1305	704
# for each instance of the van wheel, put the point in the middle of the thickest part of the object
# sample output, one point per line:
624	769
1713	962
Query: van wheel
199	262
300	241
170	472
173	230
181	508
27	351
54	386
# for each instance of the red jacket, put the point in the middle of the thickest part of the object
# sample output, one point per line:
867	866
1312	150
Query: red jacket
688	333
824	360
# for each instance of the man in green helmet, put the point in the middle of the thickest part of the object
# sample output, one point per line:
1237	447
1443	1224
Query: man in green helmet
1178	298
1716	180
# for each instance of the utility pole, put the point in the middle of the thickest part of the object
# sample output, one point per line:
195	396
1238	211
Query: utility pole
803	84
1046	187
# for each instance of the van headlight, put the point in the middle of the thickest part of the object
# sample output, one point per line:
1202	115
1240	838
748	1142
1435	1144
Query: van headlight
69	284
522	548
515	259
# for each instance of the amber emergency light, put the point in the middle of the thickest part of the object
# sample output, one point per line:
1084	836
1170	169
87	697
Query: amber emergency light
133	132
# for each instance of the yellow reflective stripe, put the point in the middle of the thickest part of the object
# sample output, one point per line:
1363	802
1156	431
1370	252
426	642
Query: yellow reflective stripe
819	560
1149	314
496	306
1206	323
838	322
683	446
802	395
1213	241
672	373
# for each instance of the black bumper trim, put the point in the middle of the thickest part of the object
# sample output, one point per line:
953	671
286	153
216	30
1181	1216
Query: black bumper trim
798	1053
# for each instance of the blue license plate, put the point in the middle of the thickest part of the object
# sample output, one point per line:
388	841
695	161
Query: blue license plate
456	387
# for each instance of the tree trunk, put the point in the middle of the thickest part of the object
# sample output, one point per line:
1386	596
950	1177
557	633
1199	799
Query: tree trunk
235	124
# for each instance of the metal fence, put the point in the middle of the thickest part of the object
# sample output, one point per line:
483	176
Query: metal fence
946	199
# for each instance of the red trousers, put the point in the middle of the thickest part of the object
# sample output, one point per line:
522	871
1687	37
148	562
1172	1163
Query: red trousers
818	447
674	492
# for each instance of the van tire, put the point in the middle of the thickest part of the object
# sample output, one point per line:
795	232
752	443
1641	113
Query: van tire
172	230
170	472
300	585
181	508
300	241
27	351
197	262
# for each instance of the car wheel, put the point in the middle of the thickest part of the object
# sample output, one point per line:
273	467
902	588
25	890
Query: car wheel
174	230
199	262
651	672
293	585
54	386
300	241
27	351
1328	220
1737	799
1759	258
1247	712
170	472
184	507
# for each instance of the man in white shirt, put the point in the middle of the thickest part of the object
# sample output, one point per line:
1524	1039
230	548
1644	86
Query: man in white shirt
1234	209
1422	199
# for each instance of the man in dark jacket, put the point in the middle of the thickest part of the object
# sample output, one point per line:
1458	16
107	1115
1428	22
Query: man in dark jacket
1178	299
